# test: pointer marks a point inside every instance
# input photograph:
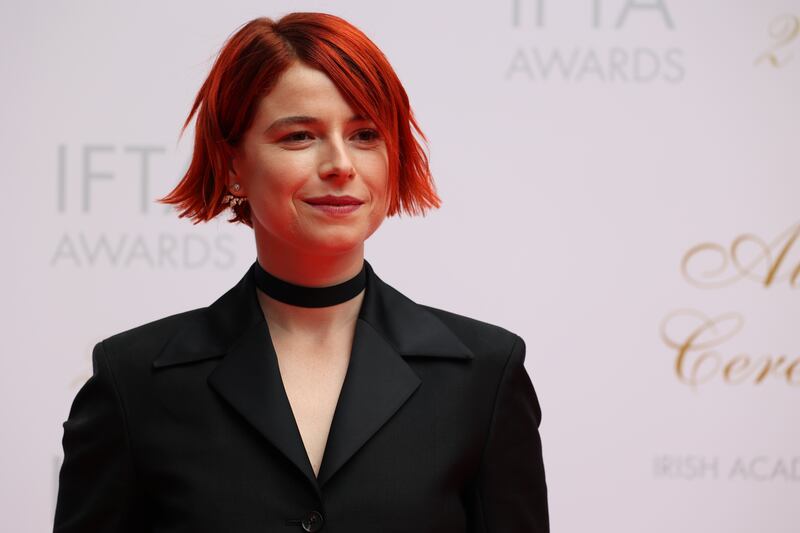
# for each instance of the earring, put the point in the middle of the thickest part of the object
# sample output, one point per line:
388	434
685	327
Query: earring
232	200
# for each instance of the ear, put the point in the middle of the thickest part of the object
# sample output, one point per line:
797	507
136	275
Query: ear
233	177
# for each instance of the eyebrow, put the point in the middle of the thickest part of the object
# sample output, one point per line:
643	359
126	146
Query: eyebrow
304	119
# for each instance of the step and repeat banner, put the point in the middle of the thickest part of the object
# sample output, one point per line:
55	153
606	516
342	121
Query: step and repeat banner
620	187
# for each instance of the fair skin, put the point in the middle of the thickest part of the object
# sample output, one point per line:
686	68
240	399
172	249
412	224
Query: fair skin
278	164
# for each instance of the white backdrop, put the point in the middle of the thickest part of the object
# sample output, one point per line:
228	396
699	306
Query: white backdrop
619	183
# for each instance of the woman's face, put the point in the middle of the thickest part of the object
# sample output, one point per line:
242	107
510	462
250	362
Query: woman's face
307	142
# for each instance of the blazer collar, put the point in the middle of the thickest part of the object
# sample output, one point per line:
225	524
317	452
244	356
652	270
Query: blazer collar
390	326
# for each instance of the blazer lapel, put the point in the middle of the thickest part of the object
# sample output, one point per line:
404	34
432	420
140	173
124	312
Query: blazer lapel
378	381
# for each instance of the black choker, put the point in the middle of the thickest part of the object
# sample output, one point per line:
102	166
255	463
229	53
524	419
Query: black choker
303	296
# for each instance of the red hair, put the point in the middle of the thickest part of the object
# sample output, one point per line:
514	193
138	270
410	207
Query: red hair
246	69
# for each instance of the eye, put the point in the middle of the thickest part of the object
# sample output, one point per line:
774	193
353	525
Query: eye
367	135
298	136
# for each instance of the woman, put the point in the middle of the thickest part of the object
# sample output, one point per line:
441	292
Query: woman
312	395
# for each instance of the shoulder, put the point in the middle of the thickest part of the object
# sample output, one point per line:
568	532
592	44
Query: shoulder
144	342
484	339
468	325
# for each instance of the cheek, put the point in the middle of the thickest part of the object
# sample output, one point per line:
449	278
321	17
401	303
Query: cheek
375	169
379	190
277	176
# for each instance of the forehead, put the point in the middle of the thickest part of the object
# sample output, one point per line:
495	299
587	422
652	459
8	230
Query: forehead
302	90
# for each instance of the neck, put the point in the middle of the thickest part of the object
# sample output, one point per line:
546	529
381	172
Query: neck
310	270
318	323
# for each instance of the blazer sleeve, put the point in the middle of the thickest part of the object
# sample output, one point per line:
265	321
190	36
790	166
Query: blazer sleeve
511	487
96	477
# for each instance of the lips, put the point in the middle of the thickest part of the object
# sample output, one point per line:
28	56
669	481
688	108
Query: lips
333	200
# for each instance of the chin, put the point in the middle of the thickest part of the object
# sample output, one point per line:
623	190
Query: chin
336	244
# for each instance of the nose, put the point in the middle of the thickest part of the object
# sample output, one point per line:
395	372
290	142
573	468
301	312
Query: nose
336	162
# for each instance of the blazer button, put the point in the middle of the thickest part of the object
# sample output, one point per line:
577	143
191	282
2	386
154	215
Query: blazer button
312	521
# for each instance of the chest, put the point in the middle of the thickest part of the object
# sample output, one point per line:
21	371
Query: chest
216	455
313	374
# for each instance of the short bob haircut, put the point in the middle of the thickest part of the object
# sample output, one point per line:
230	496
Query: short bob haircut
246	69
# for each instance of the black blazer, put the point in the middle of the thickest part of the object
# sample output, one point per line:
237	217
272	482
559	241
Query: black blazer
185	427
